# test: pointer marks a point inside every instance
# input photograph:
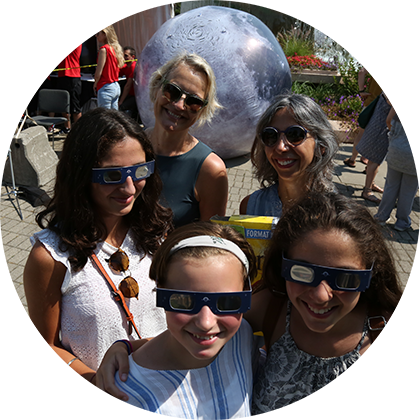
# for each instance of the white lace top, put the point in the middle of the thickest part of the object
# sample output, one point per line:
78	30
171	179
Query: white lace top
91	320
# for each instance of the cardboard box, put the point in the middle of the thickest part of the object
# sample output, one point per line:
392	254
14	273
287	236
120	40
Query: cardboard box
256	229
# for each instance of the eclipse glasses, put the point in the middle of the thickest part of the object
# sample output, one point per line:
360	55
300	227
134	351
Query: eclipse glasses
192	302
338	278
106	176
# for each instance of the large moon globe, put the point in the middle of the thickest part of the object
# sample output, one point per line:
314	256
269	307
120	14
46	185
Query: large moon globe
249	64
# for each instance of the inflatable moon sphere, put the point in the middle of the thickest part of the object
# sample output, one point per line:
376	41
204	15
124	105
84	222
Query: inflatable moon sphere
249	64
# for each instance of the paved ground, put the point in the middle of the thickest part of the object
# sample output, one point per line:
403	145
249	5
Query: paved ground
16	232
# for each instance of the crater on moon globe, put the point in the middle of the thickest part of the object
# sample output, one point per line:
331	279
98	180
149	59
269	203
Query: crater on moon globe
248	61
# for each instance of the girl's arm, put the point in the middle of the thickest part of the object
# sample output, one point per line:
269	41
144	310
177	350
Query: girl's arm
211	189
100	66
115	359
42	279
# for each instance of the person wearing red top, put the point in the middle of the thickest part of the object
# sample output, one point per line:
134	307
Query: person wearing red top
127	101
110	60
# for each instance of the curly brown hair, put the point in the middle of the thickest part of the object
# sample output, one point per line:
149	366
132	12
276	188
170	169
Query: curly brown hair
71	212
335	211
161	260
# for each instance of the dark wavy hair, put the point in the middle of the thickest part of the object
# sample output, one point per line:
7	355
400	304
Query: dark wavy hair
71	212
335	211
161	260
309	115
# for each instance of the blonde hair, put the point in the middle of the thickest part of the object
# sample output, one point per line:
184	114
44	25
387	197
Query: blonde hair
112	40
198	64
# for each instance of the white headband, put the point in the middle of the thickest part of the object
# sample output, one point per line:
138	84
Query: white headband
214	242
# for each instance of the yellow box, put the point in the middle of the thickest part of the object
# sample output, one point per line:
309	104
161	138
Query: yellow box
256	229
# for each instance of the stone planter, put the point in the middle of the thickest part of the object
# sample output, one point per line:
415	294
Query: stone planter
315	76
342	131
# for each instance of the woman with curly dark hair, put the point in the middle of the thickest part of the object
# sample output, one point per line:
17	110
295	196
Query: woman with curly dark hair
329	287
99	231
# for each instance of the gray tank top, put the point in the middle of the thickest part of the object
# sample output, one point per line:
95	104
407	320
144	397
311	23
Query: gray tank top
179	175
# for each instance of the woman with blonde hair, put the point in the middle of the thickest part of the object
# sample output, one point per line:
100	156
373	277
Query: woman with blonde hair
183	93
110	60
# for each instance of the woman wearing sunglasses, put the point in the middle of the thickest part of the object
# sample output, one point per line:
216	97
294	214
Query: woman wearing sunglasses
110	60
195	184
93	255
292	154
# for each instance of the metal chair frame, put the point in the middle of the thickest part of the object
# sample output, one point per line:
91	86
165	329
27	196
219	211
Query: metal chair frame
52	100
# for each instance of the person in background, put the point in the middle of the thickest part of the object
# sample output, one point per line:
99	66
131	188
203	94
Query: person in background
401	183
127	101
374	146
69	79
110	60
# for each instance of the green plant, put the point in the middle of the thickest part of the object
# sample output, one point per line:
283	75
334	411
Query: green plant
336	104
349	71
177	8
296	41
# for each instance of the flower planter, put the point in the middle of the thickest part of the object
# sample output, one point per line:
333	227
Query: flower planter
343	131
315	76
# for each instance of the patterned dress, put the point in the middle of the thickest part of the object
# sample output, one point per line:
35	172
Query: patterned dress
290	374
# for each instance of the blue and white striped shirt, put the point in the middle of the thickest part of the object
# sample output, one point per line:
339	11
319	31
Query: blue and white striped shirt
221	390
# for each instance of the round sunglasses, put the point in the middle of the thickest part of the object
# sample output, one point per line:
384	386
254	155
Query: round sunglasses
120	262
294	135
173	93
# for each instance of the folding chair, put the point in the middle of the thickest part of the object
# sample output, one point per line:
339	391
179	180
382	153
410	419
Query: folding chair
52	100
5	151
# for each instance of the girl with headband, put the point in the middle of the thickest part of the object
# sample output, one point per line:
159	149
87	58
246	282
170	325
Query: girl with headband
203	273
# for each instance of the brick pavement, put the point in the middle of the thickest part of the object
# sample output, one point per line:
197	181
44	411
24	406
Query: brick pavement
15	232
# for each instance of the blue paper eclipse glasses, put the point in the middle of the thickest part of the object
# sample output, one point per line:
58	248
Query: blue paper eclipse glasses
338	278
192	302
119	175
